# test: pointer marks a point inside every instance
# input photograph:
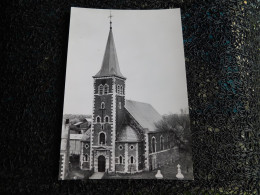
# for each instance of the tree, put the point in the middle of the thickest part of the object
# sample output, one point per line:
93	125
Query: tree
178	128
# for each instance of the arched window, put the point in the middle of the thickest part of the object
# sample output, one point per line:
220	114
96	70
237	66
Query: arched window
122	90
118	89
85	157
161	143
102	138
119	105
153	145
106	119
100	89
98	119
102	105
132	160
106	89
120	159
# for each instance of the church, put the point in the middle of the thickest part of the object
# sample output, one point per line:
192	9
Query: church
123	137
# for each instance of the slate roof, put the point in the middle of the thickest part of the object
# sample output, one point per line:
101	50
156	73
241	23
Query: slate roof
144	114
128	134
110	65
89	119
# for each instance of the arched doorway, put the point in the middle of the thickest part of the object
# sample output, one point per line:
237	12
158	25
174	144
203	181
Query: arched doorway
101	164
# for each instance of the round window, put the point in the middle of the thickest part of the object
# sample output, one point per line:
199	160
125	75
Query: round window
86	146
120	147
132	147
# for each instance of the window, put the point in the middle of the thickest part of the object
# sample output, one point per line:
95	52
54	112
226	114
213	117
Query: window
122	90
102	126
119	105
86	146
98	119
102	105
120	147
118	89
120	159
153	145
132	147
100	89
106	89
161	142
85	157
107	119
132	160
102	138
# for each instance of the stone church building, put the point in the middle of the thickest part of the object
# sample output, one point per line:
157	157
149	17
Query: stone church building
123	136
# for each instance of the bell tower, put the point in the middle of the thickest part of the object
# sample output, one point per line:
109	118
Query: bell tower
108	109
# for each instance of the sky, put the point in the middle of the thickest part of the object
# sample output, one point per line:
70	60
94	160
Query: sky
150	52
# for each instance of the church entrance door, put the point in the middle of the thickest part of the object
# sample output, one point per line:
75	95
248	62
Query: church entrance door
101	164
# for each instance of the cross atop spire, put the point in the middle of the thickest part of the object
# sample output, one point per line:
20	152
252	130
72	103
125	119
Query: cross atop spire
110	66
110	16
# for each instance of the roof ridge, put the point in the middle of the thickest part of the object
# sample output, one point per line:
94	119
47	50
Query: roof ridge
139	102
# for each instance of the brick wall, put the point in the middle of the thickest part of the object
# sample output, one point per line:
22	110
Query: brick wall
132	153
85	150
112	110
108	81
120	152
85	165
120	99
163	157
107	99
107	130
136	152
141	156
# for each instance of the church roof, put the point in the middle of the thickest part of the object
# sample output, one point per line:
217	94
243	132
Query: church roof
128	134
110	66
144	114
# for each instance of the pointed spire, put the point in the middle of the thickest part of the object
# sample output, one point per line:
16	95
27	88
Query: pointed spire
110	66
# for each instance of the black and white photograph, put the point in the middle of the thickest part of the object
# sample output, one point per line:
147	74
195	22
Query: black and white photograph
126	113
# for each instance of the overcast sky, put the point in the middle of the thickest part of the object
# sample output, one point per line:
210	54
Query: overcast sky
150	52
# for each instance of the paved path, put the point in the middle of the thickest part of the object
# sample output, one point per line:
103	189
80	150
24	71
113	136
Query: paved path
97	175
